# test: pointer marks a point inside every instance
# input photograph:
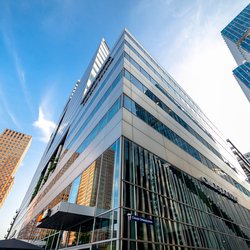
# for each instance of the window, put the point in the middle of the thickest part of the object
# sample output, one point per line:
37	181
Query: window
74	190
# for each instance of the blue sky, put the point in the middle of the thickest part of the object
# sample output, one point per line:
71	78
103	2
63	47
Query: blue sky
46	45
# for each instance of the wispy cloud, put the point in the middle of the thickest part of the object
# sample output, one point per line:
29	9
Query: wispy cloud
6	30
18	66
7	110
45	125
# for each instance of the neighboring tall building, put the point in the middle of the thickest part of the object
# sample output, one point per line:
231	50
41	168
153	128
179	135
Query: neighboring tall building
13	147
244	160
135	164
237	37
247	156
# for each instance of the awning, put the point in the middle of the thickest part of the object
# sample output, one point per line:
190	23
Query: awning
65	215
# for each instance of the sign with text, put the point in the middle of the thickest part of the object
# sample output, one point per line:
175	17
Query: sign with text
141	219
218	189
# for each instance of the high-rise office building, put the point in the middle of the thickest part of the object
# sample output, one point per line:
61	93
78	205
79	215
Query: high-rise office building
13	147
237	37
135	164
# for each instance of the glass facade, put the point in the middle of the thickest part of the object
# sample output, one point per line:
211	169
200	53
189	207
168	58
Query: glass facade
98	186
95	110
177	90
186	213
168	110
70	141
148	118
237	28
245	44
85	143
152	80
243	73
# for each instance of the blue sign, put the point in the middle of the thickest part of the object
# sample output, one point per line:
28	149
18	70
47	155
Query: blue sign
141	219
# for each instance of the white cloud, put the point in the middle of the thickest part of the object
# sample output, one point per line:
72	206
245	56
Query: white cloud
46	126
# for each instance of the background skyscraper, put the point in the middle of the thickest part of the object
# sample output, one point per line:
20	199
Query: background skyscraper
243	159
13	147
237	37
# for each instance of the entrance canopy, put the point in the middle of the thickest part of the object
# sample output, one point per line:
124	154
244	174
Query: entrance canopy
65	215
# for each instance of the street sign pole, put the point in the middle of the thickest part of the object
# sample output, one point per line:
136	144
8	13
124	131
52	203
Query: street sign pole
129	222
